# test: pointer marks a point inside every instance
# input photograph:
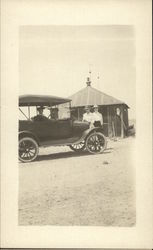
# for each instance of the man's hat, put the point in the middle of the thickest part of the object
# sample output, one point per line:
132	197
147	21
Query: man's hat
87	107
40	108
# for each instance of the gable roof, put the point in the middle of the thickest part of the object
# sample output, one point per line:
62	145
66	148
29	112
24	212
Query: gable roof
92	96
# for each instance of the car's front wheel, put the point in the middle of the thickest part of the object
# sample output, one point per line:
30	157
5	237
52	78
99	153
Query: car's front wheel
28	149
96	143
78	147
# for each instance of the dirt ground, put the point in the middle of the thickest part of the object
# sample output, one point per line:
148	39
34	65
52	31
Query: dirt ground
67	188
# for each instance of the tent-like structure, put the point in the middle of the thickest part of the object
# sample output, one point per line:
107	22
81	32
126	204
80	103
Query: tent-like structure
114	111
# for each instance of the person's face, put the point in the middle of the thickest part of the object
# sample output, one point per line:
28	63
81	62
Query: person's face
40	111
118	111
87	111
96	109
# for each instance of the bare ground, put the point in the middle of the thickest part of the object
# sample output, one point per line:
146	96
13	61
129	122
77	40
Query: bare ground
66	188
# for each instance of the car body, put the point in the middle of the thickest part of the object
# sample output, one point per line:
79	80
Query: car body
53	132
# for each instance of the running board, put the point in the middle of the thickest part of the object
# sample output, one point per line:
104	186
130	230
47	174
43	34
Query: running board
60	142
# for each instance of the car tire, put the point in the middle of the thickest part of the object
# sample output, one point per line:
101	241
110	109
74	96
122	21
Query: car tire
28	149
96	143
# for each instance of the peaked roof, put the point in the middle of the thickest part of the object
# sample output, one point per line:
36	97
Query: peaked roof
92	96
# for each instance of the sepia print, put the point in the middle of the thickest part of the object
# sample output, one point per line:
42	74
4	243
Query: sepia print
77	125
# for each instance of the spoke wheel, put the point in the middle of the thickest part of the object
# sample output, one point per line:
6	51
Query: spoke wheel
28	149
96	143
78	147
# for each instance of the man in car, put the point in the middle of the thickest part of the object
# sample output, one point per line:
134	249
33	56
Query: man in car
88	116
97	117
40	116
53	114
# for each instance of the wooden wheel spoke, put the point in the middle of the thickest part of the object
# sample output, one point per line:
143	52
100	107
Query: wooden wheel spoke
92	139
78	147
21	150
31	152
24	154
29	155
22	146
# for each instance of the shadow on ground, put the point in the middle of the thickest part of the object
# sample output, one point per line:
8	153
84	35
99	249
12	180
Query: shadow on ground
69	154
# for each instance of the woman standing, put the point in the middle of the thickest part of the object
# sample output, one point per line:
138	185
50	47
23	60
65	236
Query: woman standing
97	117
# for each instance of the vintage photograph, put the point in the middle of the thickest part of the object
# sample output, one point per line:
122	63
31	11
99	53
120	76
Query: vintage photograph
77	125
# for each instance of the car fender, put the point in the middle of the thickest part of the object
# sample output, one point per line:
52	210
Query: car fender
28	134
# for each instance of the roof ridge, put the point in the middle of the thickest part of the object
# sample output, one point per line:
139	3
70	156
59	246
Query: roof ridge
78	92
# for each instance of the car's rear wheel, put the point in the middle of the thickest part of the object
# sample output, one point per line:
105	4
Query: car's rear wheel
78	147
28	149
96	143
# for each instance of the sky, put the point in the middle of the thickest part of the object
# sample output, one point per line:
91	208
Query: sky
55	60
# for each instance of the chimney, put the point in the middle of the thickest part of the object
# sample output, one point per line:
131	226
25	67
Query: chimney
88	82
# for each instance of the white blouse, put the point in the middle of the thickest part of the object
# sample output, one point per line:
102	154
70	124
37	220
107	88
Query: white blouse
97	117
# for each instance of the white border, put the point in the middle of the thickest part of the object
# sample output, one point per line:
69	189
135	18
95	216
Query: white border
72	12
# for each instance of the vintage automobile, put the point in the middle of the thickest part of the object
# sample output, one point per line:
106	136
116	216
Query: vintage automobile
50	131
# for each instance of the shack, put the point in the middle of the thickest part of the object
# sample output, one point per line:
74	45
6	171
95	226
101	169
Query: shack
114	111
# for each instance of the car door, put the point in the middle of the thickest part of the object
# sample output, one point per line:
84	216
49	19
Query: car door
64	128
46	130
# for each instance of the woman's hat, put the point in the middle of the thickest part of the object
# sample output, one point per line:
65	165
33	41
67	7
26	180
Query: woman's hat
95	106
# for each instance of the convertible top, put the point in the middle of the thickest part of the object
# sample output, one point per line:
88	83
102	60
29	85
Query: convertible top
41	100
